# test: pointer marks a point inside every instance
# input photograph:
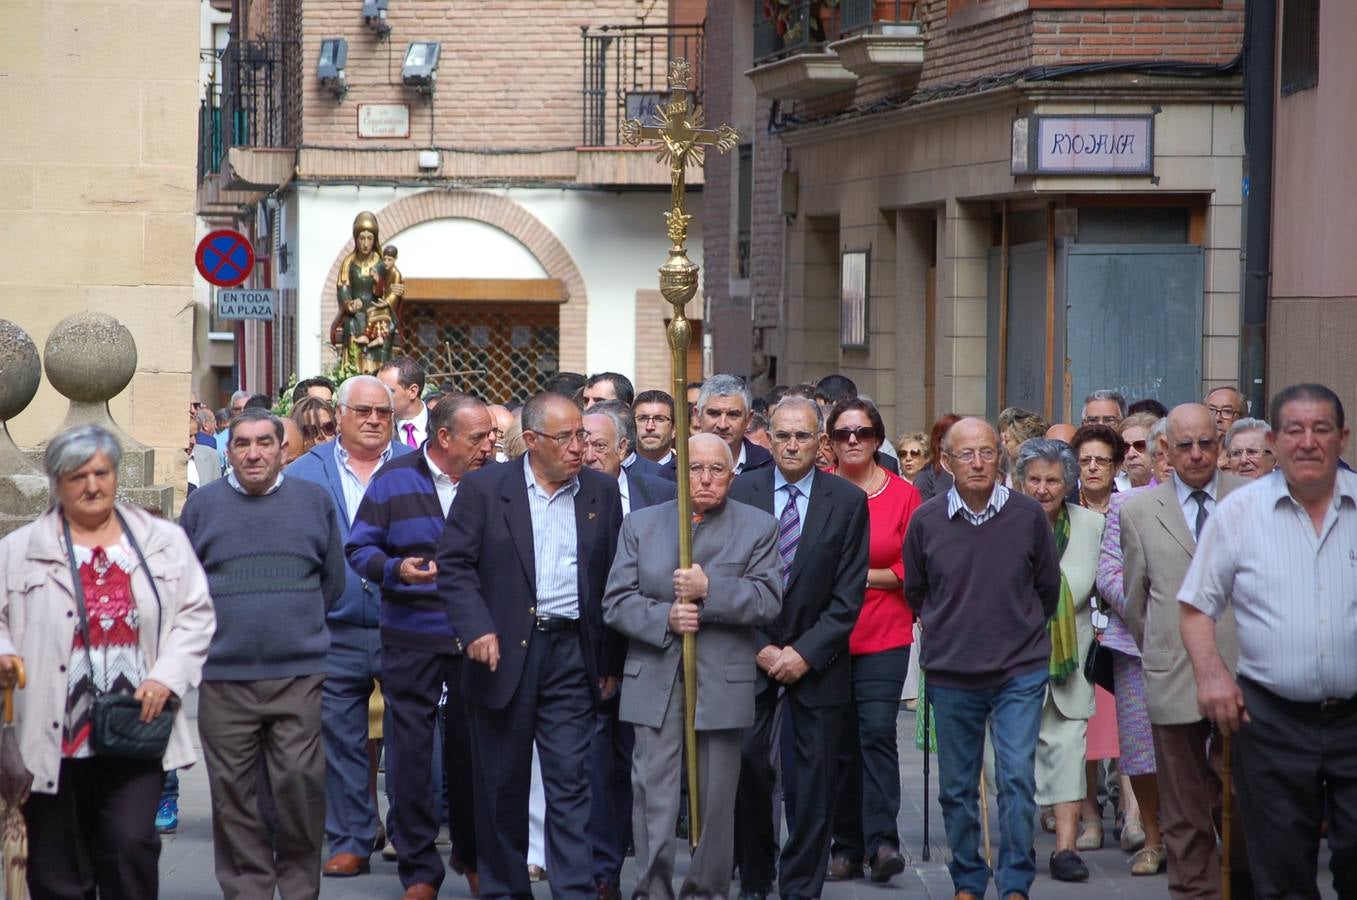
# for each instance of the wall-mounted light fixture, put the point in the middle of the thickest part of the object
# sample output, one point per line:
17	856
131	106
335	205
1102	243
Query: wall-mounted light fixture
334	55
420	68
374	16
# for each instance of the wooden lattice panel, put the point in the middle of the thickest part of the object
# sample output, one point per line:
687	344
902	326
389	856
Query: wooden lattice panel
514	346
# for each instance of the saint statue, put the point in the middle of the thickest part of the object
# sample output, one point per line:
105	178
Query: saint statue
365	329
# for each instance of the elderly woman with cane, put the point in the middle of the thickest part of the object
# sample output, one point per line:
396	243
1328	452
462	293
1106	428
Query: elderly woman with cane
107	609
1047	471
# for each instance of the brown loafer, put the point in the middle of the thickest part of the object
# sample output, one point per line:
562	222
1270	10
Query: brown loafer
420	891
345	865
473	881
965	895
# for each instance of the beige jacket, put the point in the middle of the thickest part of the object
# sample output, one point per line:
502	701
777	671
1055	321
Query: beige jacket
38	620
1075	699
1157	549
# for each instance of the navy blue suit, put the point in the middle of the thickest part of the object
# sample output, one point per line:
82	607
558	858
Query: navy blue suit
546	683
610	773
353	667
642	466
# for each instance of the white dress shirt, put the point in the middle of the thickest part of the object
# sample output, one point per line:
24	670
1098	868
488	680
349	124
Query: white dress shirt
355	487
997	498
419	427
1189	506
780	496
442	483
555	546
625	488
739	461
1294	592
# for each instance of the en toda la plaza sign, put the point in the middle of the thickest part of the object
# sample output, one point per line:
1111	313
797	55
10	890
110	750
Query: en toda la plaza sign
1083	145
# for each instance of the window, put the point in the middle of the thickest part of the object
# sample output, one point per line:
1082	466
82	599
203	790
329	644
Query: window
745	214
853	299
1300	45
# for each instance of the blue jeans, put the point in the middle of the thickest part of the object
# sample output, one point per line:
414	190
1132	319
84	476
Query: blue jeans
1014	708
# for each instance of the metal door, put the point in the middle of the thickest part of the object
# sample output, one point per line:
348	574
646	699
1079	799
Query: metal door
1134	321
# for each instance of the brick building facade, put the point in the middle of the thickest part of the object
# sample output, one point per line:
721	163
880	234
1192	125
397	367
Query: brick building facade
889	140
528	235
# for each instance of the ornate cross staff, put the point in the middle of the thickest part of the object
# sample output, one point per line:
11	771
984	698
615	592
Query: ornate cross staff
683	138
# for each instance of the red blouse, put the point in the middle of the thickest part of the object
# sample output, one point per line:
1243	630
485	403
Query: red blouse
886	621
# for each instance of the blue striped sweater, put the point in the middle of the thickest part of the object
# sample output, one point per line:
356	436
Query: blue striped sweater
400	517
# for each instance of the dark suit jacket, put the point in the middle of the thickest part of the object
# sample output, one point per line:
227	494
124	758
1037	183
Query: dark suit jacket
642	466
755	457
823	594
487	571
644	489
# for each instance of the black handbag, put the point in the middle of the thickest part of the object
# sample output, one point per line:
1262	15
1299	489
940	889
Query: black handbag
116	729
1098	666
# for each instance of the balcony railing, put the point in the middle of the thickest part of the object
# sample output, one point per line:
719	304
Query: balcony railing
864	15
626	74
786	27
256	103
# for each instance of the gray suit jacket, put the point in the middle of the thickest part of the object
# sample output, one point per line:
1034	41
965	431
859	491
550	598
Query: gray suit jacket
1157	549
736	545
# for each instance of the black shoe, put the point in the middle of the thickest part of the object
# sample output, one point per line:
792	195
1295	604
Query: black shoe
753	895
886	863
843	868
1067	866
606	890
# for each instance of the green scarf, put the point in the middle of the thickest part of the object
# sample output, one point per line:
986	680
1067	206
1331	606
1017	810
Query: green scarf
1061	627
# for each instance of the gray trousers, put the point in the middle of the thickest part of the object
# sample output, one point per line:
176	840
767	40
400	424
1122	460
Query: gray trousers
656	768
279	720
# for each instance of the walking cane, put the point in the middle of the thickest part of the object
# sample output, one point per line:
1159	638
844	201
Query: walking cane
984	819
925	709
1225	814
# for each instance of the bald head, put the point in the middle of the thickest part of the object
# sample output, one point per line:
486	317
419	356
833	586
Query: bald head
711	469
1061	431
292	439
1192	444
710	443
969	430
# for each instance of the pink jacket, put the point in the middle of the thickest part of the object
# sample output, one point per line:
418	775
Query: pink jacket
38	619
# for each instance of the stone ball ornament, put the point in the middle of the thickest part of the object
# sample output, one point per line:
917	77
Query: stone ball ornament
90	357
20	370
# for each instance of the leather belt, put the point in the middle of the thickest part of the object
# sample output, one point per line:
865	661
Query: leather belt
552	624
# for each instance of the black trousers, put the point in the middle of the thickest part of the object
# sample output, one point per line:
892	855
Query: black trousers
610	787
808	782
867	799
97	833
553	705
412	681
1290	759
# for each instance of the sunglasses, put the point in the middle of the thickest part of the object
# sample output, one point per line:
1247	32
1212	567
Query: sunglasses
912	453
1138	446
312	432
841	435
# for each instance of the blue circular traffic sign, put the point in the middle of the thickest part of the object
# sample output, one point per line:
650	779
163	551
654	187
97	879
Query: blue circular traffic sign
225	258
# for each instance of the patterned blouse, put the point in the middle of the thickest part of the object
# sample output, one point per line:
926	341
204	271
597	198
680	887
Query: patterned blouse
114	662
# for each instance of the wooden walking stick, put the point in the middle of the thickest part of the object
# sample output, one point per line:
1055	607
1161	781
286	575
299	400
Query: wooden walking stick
682	140
926	711
1225	813
984	819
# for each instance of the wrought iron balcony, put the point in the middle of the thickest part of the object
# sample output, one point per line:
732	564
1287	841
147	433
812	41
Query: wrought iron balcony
256	102
875	15
626	74
792	54
880	37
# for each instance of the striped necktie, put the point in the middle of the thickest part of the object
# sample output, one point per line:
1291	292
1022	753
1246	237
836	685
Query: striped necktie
1201	497
788	531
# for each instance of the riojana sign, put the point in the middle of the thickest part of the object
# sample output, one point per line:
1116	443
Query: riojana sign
1083	145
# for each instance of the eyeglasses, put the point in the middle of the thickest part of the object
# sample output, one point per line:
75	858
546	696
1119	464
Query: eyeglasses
195	405
653	420
363	410
1250	452
912	453
1204	444
715	470
1138	446
985	454
1095	462
785	437
565	438
1223	412
312	432
841	435
1100	420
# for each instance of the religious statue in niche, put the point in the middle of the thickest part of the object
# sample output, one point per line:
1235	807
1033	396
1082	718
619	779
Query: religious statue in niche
366	329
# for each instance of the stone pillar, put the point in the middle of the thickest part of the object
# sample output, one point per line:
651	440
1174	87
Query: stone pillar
90	358
23	488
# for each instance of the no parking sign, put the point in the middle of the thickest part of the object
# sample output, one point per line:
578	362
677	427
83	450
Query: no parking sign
225	258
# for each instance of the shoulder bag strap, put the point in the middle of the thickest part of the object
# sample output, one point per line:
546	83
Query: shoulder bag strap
150	578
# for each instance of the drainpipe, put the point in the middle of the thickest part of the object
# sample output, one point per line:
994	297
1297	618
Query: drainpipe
1260	46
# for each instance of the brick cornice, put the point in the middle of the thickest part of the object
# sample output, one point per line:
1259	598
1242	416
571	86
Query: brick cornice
507	216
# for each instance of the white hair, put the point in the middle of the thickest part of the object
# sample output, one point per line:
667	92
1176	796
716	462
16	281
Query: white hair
709	438
342	395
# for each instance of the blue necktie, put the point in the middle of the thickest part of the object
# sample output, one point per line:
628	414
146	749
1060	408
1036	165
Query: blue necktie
788	532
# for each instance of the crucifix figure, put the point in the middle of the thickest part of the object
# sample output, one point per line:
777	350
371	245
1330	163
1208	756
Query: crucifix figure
683	142
684	139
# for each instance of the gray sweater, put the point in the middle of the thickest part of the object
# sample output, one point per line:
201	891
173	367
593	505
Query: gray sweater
275	565
982	593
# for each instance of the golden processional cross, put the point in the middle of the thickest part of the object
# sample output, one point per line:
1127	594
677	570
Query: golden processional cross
683	141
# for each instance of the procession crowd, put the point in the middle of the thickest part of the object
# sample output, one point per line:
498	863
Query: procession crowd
1154	608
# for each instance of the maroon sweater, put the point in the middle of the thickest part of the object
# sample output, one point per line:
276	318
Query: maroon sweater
982	593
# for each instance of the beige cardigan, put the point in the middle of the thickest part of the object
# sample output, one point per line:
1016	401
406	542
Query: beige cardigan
38	619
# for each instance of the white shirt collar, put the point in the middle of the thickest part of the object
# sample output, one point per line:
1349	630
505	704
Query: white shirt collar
438	474
420	419
804	485
240	488
570	486
1184	491
740	460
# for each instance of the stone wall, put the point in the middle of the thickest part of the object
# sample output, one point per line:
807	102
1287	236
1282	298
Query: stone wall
97	181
